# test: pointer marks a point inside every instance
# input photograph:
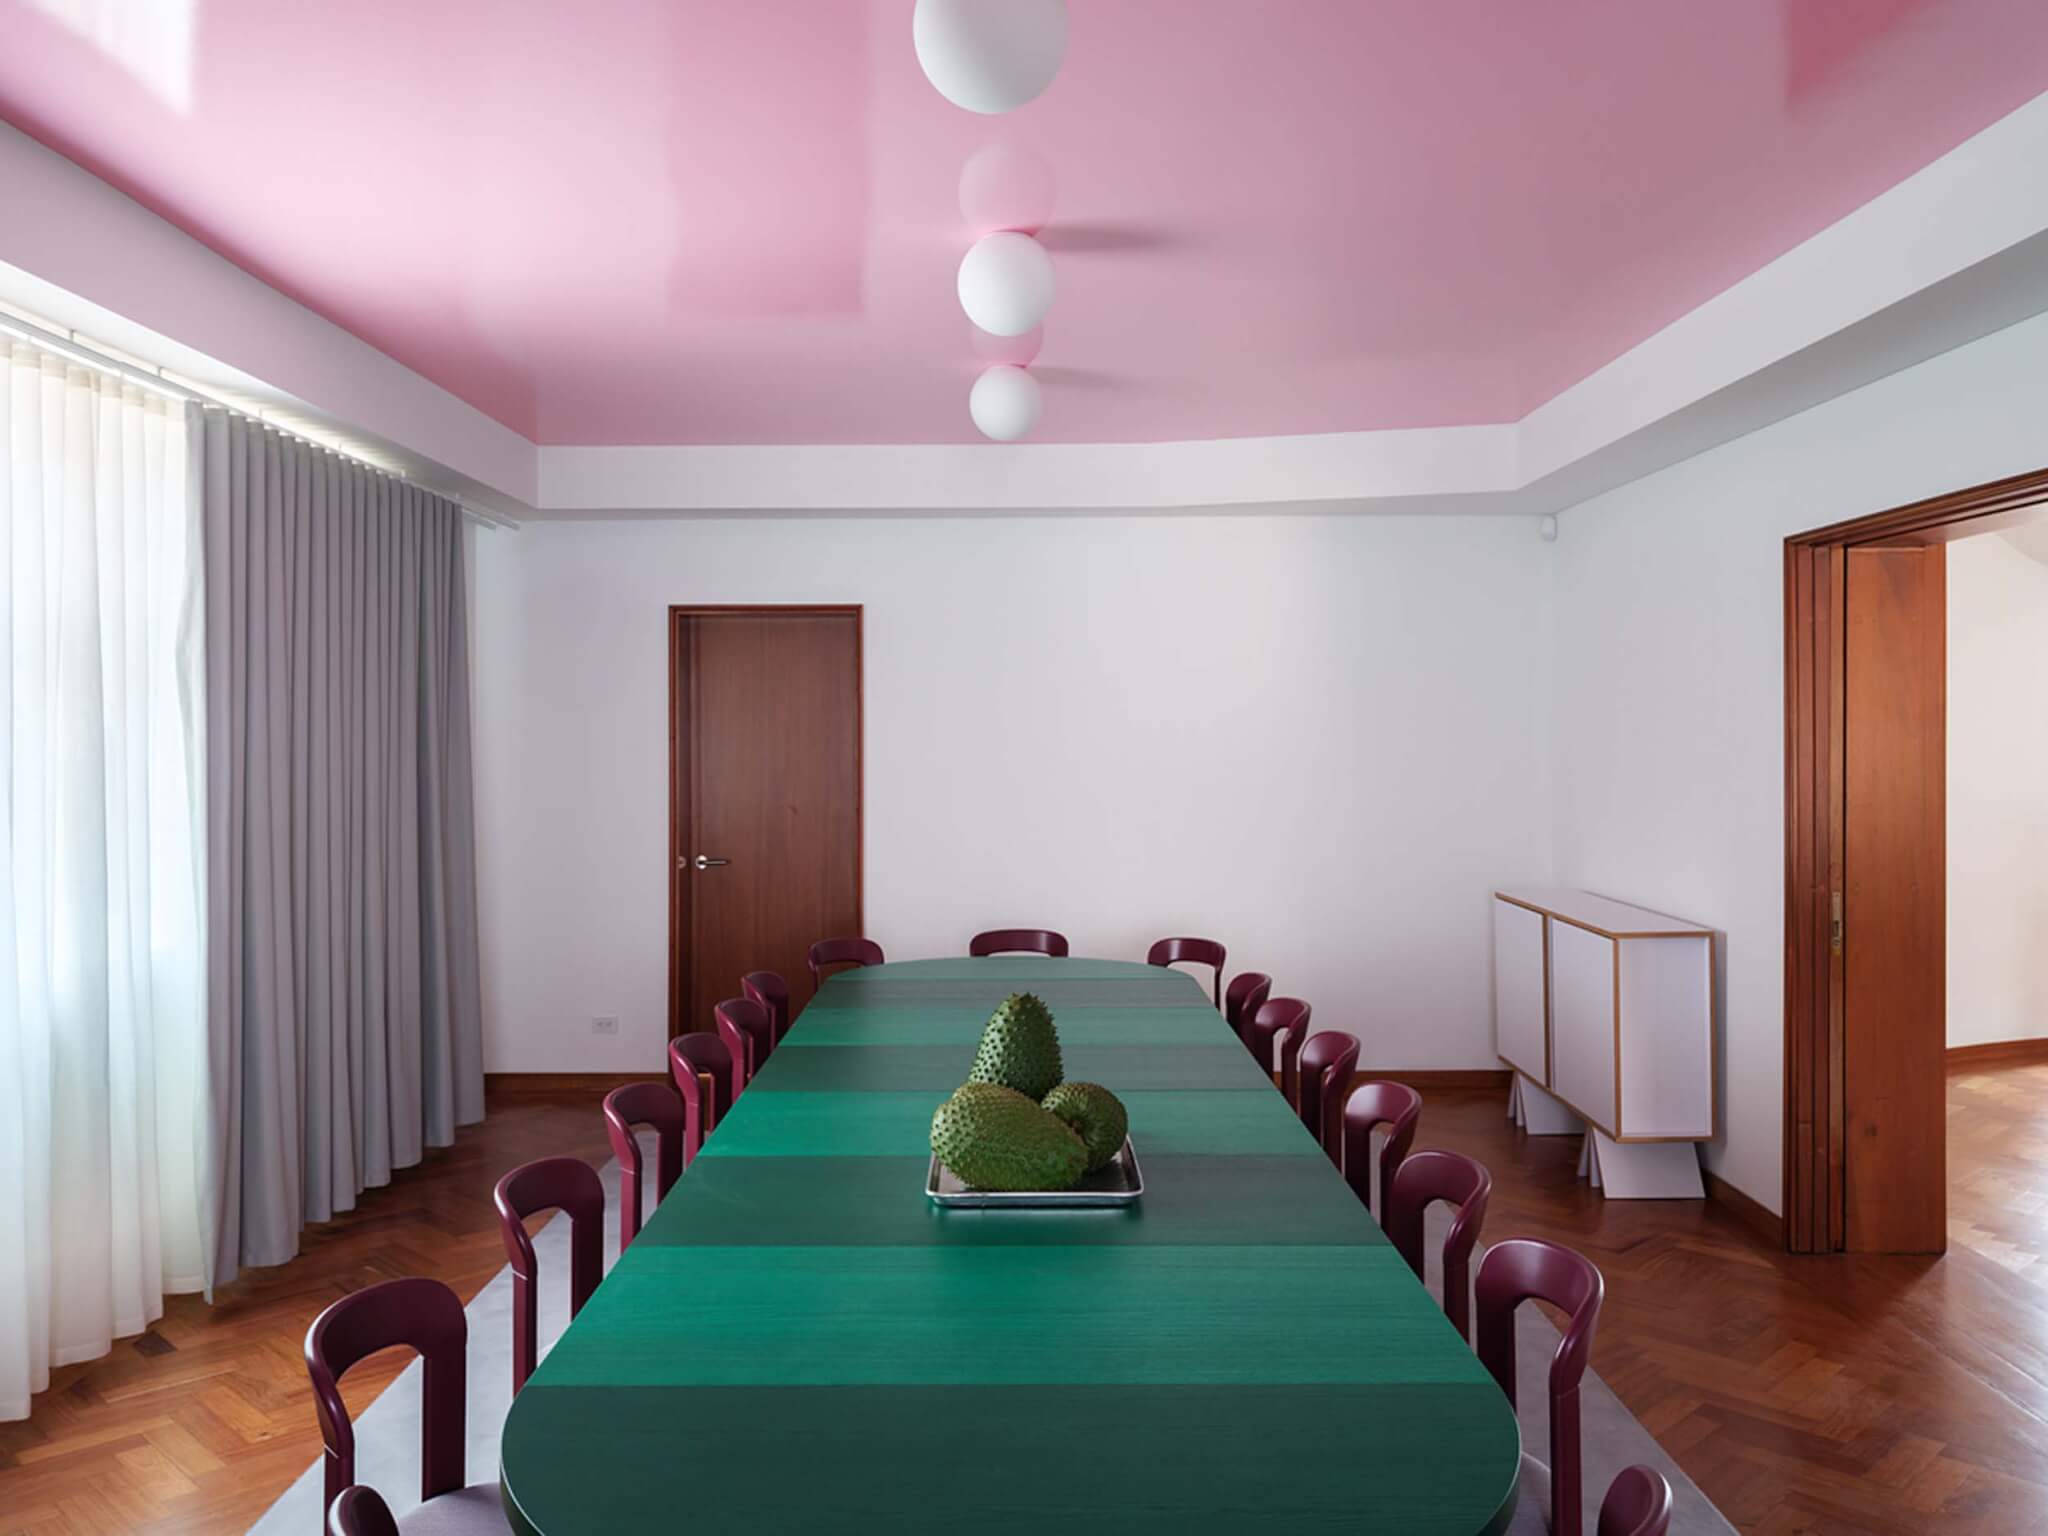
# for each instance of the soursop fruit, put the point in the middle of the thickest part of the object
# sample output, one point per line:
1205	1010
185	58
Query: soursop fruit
1019	1049
997	1139
1097	1117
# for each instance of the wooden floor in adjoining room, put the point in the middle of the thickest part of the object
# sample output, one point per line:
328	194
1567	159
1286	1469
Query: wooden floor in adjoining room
1825	1395
1998	1164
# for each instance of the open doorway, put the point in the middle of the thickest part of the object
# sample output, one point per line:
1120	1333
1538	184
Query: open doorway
1997	867
1900	818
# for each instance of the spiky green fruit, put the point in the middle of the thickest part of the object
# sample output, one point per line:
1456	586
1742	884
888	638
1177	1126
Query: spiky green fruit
1019	1049
1097	1116
997	1139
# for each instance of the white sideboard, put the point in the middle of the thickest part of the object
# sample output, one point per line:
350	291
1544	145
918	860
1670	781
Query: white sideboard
1605	1012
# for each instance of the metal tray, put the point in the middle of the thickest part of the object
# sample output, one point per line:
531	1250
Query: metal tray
1120	1183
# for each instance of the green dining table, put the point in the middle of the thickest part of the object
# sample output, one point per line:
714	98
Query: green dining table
799	1340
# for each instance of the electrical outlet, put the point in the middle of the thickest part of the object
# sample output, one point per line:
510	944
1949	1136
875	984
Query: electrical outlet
604	1025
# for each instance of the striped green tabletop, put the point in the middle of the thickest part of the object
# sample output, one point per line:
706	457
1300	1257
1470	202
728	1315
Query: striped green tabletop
798	1340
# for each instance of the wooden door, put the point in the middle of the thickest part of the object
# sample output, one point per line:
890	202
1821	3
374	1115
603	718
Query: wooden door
765	769
1894	901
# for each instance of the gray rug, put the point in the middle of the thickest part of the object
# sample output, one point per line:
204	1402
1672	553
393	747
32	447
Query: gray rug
1612	1438
388	1433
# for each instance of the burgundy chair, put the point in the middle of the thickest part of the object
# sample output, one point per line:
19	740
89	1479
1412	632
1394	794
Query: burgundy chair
848	952
425	1316
703	1071
1638	1503
656	1105
1530	1269
1327	1064
1246	994
771	992
1285	1018
1195	952
548	1184
749	1035
1372	1106
360	1512
1018	941
1419	1183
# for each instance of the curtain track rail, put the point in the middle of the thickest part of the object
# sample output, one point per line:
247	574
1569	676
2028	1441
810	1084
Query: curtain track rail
77	349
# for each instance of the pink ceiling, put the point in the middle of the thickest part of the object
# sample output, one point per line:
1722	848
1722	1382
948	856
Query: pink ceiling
736	221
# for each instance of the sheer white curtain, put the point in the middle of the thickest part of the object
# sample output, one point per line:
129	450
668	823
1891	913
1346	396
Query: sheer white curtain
102	940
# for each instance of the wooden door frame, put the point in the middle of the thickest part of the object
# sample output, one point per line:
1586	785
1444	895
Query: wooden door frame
680	787
1815	815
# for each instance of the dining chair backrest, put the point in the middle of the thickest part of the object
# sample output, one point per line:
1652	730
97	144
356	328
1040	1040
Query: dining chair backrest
1018	941
827	953
636	1104
1418	1183
1284	1019
769	990
1530	1269
1194	952
424	1316
748	1033
359	1511
1328	1063
1393	1107
1247	992
1638	1503
565	1184
702	1068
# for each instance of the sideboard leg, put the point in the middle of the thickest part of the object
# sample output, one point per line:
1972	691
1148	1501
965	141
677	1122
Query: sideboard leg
1645	1170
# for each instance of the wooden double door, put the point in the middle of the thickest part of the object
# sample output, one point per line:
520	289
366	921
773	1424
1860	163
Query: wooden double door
765	797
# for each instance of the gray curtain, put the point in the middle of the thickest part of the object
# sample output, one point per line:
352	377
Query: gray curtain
345	1027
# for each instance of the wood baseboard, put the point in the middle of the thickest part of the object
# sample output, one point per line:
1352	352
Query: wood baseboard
596	1084
1751	1213
1997	1053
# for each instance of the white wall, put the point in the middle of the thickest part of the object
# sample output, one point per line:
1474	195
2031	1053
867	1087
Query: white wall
1380	751
1322	740
1997	792
1670	676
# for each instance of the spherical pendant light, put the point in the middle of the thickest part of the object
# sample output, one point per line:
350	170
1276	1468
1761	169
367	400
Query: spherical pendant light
1005	403
990	55
1006	283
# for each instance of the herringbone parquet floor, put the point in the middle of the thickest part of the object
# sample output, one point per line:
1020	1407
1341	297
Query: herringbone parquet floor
1839	1394
197	1425
1822	1395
